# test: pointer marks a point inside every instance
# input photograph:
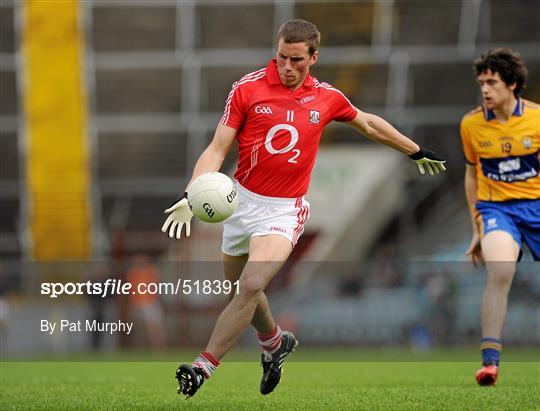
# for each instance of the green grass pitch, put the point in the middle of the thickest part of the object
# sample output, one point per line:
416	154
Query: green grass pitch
306	385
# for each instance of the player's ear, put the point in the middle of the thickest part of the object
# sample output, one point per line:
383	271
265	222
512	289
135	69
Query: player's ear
512	86
314	58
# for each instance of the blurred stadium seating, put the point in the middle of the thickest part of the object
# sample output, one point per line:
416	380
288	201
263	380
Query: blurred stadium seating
158	73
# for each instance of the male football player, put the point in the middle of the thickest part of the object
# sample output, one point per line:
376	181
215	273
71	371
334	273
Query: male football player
501	142
276	115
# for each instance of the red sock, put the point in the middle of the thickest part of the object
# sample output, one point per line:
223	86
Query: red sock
207	363
271	342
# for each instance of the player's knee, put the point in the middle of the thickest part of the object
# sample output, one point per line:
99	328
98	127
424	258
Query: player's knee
251	286
501	273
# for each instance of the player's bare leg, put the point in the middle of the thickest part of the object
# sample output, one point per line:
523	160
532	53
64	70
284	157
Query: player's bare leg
276	344
266	256
500	252
262	320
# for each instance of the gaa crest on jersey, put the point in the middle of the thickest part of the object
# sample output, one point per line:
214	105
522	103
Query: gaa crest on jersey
263	110
314	116
527	142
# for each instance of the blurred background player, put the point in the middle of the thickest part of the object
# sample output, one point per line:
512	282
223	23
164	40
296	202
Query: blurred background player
145	305
501	141
277	115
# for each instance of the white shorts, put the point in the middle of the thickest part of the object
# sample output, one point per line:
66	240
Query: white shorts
258	215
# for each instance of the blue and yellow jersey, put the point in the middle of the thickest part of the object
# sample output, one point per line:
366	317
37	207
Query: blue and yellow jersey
506	156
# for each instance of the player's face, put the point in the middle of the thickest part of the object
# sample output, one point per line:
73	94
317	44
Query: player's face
495	91
293	63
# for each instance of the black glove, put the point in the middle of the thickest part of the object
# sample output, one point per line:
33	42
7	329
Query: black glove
426	159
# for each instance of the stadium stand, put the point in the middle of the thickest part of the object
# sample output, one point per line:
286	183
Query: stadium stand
158	73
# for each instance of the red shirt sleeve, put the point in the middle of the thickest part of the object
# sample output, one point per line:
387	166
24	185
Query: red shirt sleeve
234	113
342	108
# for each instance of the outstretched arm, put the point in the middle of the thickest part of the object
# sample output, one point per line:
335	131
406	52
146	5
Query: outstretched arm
210	160
212	157
379	130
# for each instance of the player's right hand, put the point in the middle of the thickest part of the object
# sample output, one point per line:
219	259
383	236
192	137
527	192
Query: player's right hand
179	214
475	250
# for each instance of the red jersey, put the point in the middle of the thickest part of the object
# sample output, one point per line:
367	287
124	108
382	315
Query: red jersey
279	130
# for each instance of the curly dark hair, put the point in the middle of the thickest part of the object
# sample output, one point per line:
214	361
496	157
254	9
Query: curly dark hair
507	63
297	31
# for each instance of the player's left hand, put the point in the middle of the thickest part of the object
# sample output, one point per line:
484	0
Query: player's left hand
428	160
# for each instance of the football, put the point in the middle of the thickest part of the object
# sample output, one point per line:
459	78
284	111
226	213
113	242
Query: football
213	197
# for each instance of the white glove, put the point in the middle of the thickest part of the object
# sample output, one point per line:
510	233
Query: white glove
179	214
426	159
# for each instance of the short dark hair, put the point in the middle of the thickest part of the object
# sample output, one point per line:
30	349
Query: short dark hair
507	63
300	31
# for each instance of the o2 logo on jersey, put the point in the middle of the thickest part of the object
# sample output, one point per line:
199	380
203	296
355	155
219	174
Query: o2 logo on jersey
290	147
